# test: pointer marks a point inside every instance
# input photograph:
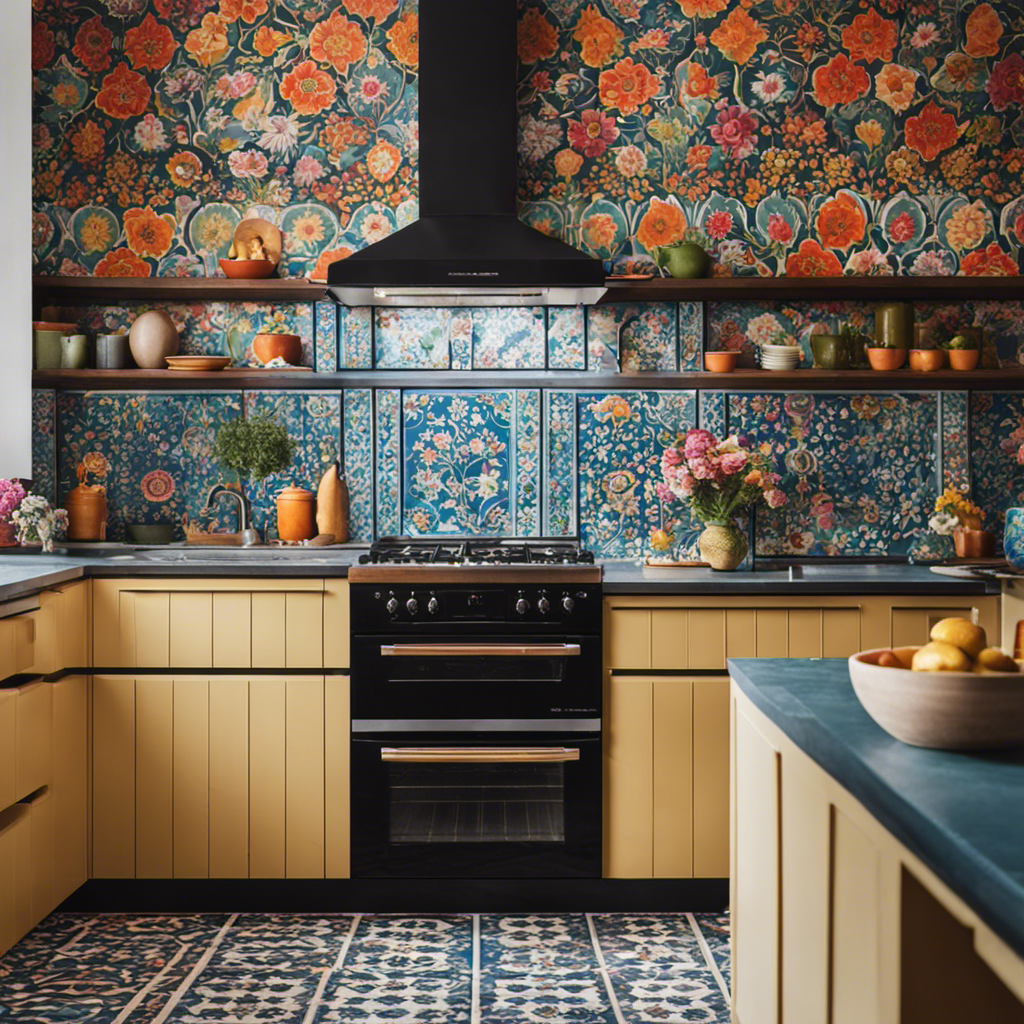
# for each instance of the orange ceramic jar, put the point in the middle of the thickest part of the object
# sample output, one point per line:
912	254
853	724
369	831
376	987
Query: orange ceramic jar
87	513
296	514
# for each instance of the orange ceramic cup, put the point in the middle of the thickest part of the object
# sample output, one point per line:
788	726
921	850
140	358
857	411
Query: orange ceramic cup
927	359
963	358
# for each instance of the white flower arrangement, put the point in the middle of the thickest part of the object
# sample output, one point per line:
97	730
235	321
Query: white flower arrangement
38	523
943	523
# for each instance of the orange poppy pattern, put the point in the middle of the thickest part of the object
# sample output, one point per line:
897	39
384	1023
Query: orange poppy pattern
308	89
662	224
124	93
738	36
149	45
810	260
931	131
840	222
338	42
628	86
537	38
148	233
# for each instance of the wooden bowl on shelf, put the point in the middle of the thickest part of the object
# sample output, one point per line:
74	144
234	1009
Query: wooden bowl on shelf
886	358
927	359
247	270
278	346
721	362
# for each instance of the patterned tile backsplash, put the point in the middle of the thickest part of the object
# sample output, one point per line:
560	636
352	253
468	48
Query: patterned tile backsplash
861	470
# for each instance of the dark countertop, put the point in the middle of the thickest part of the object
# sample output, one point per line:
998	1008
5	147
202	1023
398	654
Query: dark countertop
961	813
27	574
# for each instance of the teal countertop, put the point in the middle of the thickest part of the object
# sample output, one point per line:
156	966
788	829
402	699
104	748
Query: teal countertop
21	575
961	813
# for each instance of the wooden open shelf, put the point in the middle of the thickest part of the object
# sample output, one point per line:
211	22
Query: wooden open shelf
1010	379
84	291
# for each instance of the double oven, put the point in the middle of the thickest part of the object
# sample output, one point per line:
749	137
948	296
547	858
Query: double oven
476	722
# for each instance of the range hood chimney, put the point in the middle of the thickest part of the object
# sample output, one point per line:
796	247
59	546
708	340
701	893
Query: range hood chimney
469	247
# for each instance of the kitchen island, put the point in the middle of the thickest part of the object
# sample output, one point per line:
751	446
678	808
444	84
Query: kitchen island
872	881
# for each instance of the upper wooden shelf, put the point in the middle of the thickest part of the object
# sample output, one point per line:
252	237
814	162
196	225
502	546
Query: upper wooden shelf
77	291
740	380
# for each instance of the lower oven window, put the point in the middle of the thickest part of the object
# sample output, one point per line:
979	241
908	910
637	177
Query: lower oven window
477	803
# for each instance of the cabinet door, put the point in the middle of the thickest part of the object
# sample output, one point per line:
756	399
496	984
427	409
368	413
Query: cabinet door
911	626
304	778
336	625
267	779
629	638
33	738
711	776
18	642
229	777
70	783
337	741
8	747
113	777
15	874
672	777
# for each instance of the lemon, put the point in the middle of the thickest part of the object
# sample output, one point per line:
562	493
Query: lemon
939	656
961	633
992	659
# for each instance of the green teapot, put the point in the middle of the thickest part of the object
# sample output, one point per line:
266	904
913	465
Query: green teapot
684	259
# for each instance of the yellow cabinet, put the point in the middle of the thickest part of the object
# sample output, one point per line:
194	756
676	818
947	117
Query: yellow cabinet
69	783
336	624
18	631
8	720
221	623
63	630
33	737
43	843
15	874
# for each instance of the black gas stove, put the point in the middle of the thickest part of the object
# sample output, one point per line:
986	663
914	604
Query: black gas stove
476	551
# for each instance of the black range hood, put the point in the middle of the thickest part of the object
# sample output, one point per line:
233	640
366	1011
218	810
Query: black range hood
469	247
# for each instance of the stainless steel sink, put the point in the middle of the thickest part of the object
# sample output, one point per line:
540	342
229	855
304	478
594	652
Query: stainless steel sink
258	553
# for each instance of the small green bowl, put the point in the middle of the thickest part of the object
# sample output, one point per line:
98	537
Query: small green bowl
151	533
831	352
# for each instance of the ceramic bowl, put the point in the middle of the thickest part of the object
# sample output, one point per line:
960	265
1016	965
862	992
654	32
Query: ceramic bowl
151	533
720	362
944	710
927	359
247	270
278	346
886	358
1013	537
963	358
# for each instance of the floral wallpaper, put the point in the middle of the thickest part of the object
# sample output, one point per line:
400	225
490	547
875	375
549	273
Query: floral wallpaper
798	138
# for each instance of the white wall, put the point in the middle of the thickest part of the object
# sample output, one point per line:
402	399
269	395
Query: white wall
16	239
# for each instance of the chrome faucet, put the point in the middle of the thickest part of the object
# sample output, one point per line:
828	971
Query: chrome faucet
248	536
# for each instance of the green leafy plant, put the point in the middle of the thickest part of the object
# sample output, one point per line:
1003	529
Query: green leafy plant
255	447
960	342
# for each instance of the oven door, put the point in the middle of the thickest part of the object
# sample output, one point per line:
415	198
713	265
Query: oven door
467	806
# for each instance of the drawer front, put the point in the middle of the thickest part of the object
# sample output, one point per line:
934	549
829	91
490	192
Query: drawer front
18	643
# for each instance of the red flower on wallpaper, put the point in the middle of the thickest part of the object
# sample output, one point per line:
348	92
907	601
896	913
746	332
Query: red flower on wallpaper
537	37
123	94
404	40
308	89
319	272
739	36
592	133
839	81
122	263
148	233
42	45
870	37
901	228
840	222
736	130
247	10
718	224
702	8
628	86
983	31
338	42
931	131
699	83
810	260
92	44
1006	84
1018	227
779	229
157	485
149	45
662	224
988	262
267	40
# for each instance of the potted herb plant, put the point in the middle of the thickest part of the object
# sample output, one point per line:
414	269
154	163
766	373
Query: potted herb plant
718	480
884	354
964	348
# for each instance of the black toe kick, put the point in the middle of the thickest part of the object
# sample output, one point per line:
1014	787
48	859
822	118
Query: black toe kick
399	896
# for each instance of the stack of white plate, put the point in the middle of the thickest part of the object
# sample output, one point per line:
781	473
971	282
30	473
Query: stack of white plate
780	357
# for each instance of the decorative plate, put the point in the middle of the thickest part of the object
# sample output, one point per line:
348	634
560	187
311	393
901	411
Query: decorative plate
197	362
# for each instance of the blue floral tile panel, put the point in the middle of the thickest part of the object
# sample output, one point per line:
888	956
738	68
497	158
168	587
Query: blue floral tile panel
44	451
997	434
567	338
560	464
326	349
956	446
861	471
358	448
389	461
633	338
355	338
509	338
419	339
691	335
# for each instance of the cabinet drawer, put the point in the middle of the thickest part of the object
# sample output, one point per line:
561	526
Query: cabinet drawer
15	874
18	643
33	740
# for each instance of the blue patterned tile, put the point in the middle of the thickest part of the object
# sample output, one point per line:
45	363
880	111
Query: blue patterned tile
355	338
414	339
956	457
508	338
527	454
691	336
214	328
458	466
620	437
389	462
638	337
44	450
861	471
462	339
566	338
358	448
997	432
159	449
713	406
560	464
716	929
326	356
313	420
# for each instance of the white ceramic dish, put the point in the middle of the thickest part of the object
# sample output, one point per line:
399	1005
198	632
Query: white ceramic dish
944	710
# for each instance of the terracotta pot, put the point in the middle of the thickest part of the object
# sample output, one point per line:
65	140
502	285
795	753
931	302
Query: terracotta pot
247	270
8	534
87	513
296	514
927	359
720	362
886	358
152	338
974	543
722	545
278	346
963	358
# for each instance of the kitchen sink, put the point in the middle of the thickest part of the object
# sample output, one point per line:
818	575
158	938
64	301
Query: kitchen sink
257	553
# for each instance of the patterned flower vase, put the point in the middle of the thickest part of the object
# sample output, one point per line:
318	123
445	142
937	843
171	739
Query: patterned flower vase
723	545
8	534
1013	537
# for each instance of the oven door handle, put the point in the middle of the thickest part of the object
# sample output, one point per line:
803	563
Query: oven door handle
478	755
480	650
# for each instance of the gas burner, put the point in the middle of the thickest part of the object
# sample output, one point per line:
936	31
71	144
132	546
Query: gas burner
476	551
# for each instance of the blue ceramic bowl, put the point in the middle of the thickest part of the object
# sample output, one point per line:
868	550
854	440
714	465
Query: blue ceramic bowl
1013	537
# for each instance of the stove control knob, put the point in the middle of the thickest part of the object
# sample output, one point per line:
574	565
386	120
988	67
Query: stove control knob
543	606
412	606
392	605
522	606
568	603
432	606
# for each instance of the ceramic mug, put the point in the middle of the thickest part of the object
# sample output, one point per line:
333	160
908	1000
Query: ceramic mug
111	351
74	352
49	349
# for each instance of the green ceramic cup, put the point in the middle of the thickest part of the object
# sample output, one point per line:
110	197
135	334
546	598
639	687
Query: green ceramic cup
49	348
831	352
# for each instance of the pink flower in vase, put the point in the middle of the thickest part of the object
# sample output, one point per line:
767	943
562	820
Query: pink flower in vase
698	442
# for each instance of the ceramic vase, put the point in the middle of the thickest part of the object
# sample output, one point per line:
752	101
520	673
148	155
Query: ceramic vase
152	339
974	543
87	513
1013	537
723	545
296	514
8	534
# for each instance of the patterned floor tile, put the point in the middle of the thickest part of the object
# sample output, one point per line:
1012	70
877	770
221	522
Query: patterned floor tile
715	929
